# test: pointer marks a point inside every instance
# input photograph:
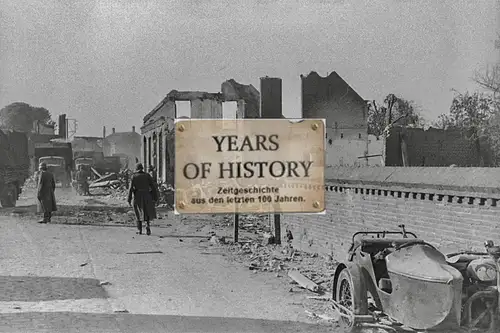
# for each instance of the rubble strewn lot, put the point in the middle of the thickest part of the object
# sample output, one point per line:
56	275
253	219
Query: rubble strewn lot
312	273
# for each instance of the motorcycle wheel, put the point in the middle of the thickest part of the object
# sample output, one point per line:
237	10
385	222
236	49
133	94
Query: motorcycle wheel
345	297
482	316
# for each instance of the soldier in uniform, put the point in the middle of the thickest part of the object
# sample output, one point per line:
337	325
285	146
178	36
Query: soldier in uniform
143	193
82	179
46	193
153	174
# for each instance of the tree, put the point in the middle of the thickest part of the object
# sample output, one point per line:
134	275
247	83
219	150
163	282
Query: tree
444	121
20	116
489	79
475	114
394	111
468	111
376	119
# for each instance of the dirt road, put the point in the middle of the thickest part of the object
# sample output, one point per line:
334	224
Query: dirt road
51	276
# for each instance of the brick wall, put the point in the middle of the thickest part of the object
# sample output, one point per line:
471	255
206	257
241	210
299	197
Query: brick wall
454	208
435	147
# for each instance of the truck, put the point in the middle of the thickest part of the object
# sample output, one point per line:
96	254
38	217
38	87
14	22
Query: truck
100	163
59	159
14	166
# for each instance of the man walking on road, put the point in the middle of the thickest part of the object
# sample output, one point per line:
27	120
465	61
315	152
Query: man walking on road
144	193
45	193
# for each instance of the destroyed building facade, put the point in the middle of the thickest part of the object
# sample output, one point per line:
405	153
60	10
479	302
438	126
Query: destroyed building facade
157	131
346	113
126	145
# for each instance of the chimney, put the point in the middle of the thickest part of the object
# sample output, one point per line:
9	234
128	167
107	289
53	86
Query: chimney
113	129
103	132
133	129
63	125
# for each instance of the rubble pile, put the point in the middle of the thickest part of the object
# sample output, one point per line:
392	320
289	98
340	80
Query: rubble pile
166	192
255	224
30	182
89	217
284	258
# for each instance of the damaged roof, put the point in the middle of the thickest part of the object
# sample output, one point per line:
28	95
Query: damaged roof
333	76
240	91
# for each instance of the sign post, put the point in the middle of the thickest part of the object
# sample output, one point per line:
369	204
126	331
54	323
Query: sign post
271	107
245	166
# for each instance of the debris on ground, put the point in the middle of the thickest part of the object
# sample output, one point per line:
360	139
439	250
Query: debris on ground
267	239
105	283
319	298
282	258
109	180
146	252
322	316
166	192
217	240
303	281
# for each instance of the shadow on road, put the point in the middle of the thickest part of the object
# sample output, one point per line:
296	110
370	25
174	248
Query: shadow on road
38	288
68	210
128	323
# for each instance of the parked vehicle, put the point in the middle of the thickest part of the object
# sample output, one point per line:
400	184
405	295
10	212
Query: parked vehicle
57	166
60	156
412	283
14	166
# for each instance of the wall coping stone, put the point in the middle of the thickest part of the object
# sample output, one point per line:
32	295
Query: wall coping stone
471	182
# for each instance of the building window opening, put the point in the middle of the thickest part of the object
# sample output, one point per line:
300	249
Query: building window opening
182	109
229	110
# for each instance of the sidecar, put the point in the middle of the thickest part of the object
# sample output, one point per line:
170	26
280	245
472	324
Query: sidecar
405	278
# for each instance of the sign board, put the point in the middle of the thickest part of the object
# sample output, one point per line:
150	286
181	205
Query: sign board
249	166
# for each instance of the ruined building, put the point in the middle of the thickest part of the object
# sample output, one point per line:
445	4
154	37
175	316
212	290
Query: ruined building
157	130
346	115
124	144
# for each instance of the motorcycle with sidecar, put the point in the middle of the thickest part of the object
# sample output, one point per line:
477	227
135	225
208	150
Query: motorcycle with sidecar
410	283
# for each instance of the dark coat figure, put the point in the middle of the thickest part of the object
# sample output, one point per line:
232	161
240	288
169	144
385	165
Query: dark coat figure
152	173
46	193
144	194
81	177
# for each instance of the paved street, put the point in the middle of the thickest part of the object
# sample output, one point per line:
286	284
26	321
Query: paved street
51	276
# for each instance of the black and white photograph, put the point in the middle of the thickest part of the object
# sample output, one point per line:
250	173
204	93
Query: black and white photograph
250	166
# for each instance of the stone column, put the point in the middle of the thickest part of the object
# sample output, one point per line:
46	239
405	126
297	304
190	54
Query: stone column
197	109
148	150
216	110
159	134
164	153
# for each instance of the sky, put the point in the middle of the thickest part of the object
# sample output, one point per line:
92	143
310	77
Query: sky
108	63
